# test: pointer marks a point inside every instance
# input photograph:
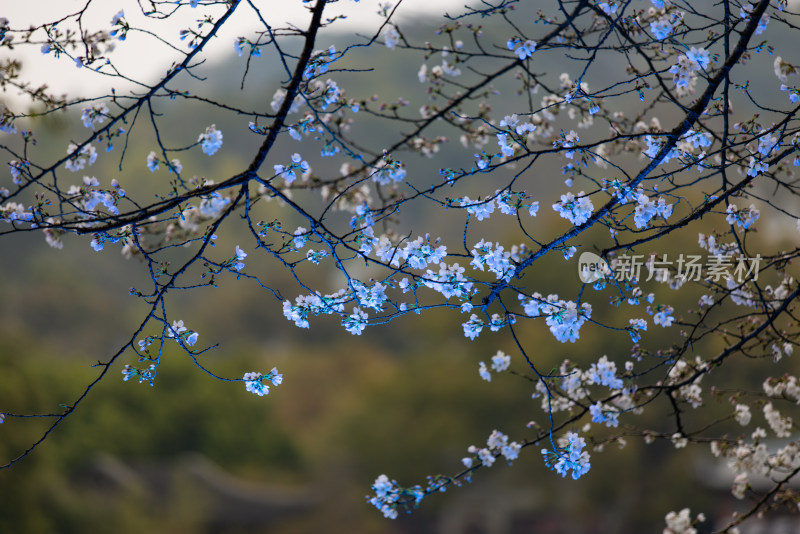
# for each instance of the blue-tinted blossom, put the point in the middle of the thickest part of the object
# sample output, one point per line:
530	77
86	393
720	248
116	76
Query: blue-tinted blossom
152	161
210	140
664	316
356	322
239	259
484	372
386	495
79	159
254	383
604	372
602	413
743	218
575	210
500	361
570	457
522	49
94	114
473	326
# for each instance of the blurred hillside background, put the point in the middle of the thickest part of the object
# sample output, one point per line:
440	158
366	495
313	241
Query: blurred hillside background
195	455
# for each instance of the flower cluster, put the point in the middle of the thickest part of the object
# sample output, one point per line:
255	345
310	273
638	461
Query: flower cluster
239	46
646	209
320	62
654	146
779	424
507	202
784	69
370	297
12	211
636	327
153	163
449	281
105	198
513	123
743	218
237	262
390	36
418	253
574	385
568	456
387	493
564	317
331	94
389	171
288	172
787	386
473	326
493	257
663	316
17	168
313	304
147	374
686	373
756	166
500	363
603	413
698	139
742	414
254	382
523	49
181	333
78	159
609	8
746	11
576	210
496	445
568	141
300	238
210	140
662	27
280	96
604	372
91	198
688	64
95	114
754	458
119	20
479	209
356	322
681	523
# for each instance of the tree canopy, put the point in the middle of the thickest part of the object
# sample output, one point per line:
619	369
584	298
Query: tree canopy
597	200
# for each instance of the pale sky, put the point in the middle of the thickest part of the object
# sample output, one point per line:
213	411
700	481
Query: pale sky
139	58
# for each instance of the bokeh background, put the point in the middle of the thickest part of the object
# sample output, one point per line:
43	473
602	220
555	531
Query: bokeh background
196	455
